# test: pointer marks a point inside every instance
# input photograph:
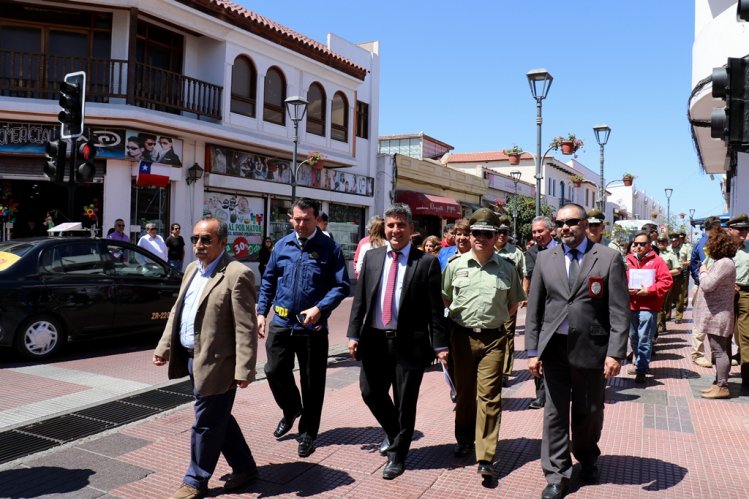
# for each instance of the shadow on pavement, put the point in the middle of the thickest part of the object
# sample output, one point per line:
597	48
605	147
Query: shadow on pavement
369	437
673	373
653	474
43	481
298	478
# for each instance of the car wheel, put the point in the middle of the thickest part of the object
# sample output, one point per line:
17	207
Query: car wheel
39	338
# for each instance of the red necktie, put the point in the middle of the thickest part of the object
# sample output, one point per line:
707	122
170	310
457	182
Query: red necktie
387	306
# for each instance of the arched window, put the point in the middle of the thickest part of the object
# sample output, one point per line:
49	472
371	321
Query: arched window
275	95
316	109
339	118
243	86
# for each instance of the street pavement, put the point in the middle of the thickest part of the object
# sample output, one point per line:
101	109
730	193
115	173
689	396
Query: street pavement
659	440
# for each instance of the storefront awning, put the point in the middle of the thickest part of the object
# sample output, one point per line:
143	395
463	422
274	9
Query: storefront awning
429	204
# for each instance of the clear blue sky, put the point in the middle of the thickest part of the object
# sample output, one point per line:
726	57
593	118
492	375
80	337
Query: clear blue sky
456	71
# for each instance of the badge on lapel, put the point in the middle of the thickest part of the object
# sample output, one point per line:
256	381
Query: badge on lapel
595	286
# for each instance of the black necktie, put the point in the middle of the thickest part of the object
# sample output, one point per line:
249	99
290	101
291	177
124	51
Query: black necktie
302	241
574	268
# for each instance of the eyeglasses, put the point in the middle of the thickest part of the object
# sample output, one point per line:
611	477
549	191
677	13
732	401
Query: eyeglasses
120	225
133	148
503	232
483	233
640	243
570	222
150	143
206	240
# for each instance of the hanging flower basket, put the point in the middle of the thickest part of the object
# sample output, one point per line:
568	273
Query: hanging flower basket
577	180
627	179
316	160
568	144
513	154
514	159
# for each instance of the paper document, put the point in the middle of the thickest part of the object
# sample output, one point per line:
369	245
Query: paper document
641	277
449	381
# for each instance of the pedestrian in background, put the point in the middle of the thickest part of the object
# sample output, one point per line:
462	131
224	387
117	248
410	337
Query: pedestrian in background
674	268
645	300
153	242
432	245
175	248
738	228
481	291
698	256
305	281
199	328
264	255
713	310
397	327
365	239
375	239
461	236
119	231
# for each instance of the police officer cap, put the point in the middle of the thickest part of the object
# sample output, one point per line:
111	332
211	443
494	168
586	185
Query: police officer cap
504	222
682	234
484	219
662	239
674	235
595	216
739	222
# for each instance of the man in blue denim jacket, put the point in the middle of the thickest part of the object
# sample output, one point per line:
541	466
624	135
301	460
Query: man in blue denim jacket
306	278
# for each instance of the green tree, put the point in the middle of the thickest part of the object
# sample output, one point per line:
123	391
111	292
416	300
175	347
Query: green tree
526	212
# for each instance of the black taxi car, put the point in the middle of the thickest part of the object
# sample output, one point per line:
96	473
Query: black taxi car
59	289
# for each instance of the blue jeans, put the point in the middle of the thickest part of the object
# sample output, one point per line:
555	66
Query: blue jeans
642	324
175	264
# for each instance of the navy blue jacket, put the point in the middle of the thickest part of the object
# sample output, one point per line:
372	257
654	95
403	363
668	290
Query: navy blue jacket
297	279
698	256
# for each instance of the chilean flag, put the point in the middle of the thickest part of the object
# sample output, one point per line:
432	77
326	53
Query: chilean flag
145	177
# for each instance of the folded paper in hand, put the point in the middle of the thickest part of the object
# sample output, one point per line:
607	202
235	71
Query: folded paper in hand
449	381
641	277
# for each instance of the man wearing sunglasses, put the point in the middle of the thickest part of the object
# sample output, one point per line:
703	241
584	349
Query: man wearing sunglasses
596	226
576	336
211	335
482	291
118	234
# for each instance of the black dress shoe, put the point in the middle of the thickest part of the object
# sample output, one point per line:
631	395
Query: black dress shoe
306	446
463	450
385	447
537	403
554	491
237	481
589	473
505	381
284	426
485	468
393	468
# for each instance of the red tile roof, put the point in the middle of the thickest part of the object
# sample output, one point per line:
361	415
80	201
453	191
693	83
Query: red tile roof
277	33
482	157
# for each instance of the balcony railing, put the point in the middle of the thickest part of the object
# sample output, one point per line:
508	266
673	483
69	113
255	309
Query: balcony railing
38	76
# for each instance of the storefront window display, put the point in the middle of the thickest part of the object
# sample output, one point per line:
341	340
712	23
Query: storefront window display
149	205
245	217
279	224
345	226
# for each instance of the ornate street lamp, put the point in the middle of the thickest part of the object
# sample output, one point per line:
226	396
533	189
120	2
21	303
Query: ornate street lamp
691	223
668	192
296	107
540	82
515	174
602	132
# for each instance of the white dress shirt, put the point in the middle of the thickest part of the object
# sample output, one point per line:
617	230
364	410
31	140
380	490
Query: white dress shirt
402	261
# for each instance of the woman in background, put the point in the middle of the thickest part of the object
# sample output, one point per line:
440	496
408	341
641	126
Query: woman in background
264	256
376	239
432	245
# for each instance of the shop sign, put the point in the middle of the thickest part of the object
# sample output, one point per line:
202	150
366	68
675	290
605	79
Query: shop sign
507	185
31	138
244	215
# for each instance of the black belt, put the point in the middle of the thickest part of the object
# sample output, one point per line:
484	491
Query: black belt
190	352
387	333
496	330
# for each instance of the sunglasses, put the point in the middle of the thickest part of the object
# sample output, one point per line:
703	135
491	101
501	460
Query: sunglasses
176	228
133	148
120	225
503	232
640	243
570	222
152	228
483	233
206	240
594	225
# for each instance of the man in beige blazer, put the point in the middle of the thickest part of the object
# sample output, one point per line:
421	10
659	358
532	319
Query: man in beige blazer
211	336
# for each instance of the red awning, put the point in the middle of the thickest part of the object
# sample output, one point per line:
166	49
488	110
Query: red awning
429	204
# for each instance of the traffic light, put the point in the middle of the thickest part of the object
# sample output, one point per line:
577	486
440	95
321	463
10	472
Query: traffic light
72	102
54	168
85	169
731	83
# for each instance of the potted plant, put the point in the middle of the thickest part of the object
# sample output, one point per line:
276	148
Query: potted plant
577	180
316	160
627	178
568	144
513	154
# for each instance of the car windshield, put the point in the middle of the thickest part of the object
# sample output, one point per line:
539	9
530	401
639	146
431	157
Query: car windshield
17	248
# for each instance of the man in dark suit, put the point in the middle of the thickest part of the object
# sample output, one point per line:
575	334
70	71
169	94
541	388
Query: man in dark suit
576	335
211	335
395	347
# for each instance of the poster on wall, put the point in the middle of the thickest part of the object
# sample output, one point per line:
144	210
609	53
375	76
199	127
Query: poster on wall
154	148
245	217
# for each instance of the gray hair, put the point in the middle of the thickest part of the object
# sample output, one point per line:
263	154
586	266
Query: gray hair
546	220
223	227
400	210
150	226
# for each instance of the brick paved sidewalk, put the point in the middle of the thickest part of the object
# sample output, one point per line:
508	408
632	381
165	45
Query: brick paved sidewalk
658	441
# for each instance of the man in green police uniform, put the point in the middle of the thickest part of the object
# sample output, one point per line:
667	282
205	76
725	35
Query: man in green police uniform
512	254
481	290
674	267
596	226
738	227
681	281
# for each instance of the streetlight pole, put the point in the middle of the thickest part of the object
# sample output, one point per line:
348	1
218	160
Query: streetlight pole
668	192
515	174
602	132
296	107
540	82
691	222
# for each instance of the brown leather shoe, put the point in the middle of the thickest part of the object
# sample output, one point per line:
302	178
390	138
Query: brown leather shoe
718	392
708	389
702	362
187	492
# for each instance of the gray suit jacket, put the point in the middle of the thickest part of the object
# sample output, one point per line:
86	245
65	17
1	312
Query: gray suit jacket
225	329
598	318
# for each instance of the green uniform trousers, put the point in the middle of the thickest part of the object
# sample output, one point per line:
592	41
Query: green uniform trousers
510	350
479	358
741	309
